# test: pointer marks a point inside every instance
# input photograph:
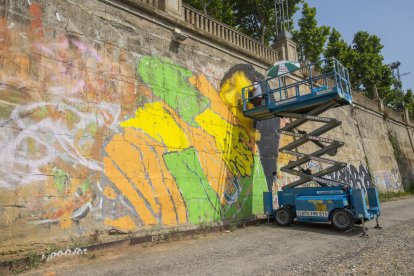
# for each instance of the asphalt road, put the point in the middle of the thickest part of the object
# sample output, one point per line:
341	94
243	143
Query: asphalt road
264	249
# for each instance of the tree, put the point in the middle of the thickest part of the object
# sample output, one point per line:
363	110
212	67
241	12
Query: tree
337	48
310	38
222	10
409	102
256	18
367	67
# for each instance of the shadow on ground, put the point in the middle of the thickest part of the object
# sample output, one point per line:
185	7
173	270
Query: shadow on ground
322	228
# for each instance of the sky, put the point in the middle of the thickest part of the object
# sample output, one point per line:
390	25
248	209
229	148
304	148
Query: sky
390	20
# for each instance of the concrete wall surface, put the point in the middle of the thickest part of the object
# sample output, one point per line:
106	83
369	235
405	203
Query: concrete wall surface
109	123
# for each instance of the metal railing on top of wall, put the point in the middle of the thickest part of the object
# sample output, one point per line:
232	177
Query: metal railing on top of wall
227	33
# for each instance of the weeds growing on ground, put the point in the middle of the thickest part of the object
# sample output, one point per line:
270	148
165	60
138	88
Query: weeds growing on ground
32	261
387	196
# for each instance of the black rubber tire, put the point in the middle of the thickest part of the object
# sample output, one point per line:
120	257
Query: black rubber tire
284	216
342	219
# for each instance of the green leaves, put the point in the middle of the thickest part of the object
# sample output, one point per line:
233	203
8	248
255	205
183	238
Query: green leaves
222	10
310	38
255	18
337	47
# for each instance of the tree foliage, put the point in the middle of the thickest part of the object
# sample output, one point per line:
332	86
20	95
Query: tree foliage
409	102
367	67
310	37
222	10
255	18
337	47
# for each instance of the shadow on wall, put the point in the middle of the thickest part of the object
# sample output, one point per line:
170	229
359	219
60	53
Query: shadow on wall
404	163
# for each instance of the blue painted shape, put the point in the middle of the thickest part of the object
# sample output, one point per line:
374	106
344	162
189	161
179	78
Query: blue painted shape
268	203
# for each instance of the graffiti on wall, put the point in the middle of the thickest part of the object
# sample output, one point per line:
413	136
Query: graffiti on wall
390	180
353	176
91	134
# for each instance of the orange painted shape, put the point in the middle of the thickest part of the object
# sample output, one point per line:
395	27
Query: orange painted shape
124	223
216	102
211	161
4	32
166	191
36	26
128	191
128	158
109	193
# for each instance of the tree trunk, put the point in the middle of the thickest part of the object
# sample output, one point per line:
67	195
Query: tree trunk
262	35
204	3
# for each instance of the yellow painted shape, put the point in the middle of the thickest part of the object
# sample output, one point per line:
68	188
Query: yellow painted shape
124	223
154	120
216	102
128	191
109	193
231	91
227	103
233	142
65	222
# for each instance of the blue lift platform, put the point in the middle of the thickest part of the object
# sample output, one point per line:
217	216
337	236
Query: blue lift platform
303	95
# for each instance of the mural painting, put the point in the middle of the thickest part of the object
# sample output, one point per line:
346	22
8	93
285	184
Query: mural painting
91	136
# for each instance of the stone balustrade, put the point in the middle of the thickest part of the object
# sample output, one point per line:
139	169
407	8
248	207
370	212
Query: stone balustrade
228	34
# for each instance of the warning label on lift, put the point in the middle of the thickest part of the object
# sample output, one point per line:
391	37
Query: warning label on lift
312	213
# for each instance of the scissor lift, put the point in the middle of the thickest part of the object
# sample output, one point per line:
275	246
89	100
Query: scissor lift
303	95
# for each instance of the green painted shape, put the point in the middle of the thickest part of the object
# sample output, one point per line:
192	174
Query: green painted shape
60	177
43	111
5	112
169	81
201	200
31	145
70	116
250	201
93	128
85	186
259	186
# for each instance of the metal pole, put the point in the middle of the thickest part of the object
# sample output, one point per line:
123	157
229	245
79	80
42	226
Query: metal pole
283	16
287	15
277	29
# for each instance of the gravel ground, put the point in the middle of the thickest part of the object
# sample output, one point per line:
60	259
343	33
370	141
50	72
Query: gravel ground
390	252
265	249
